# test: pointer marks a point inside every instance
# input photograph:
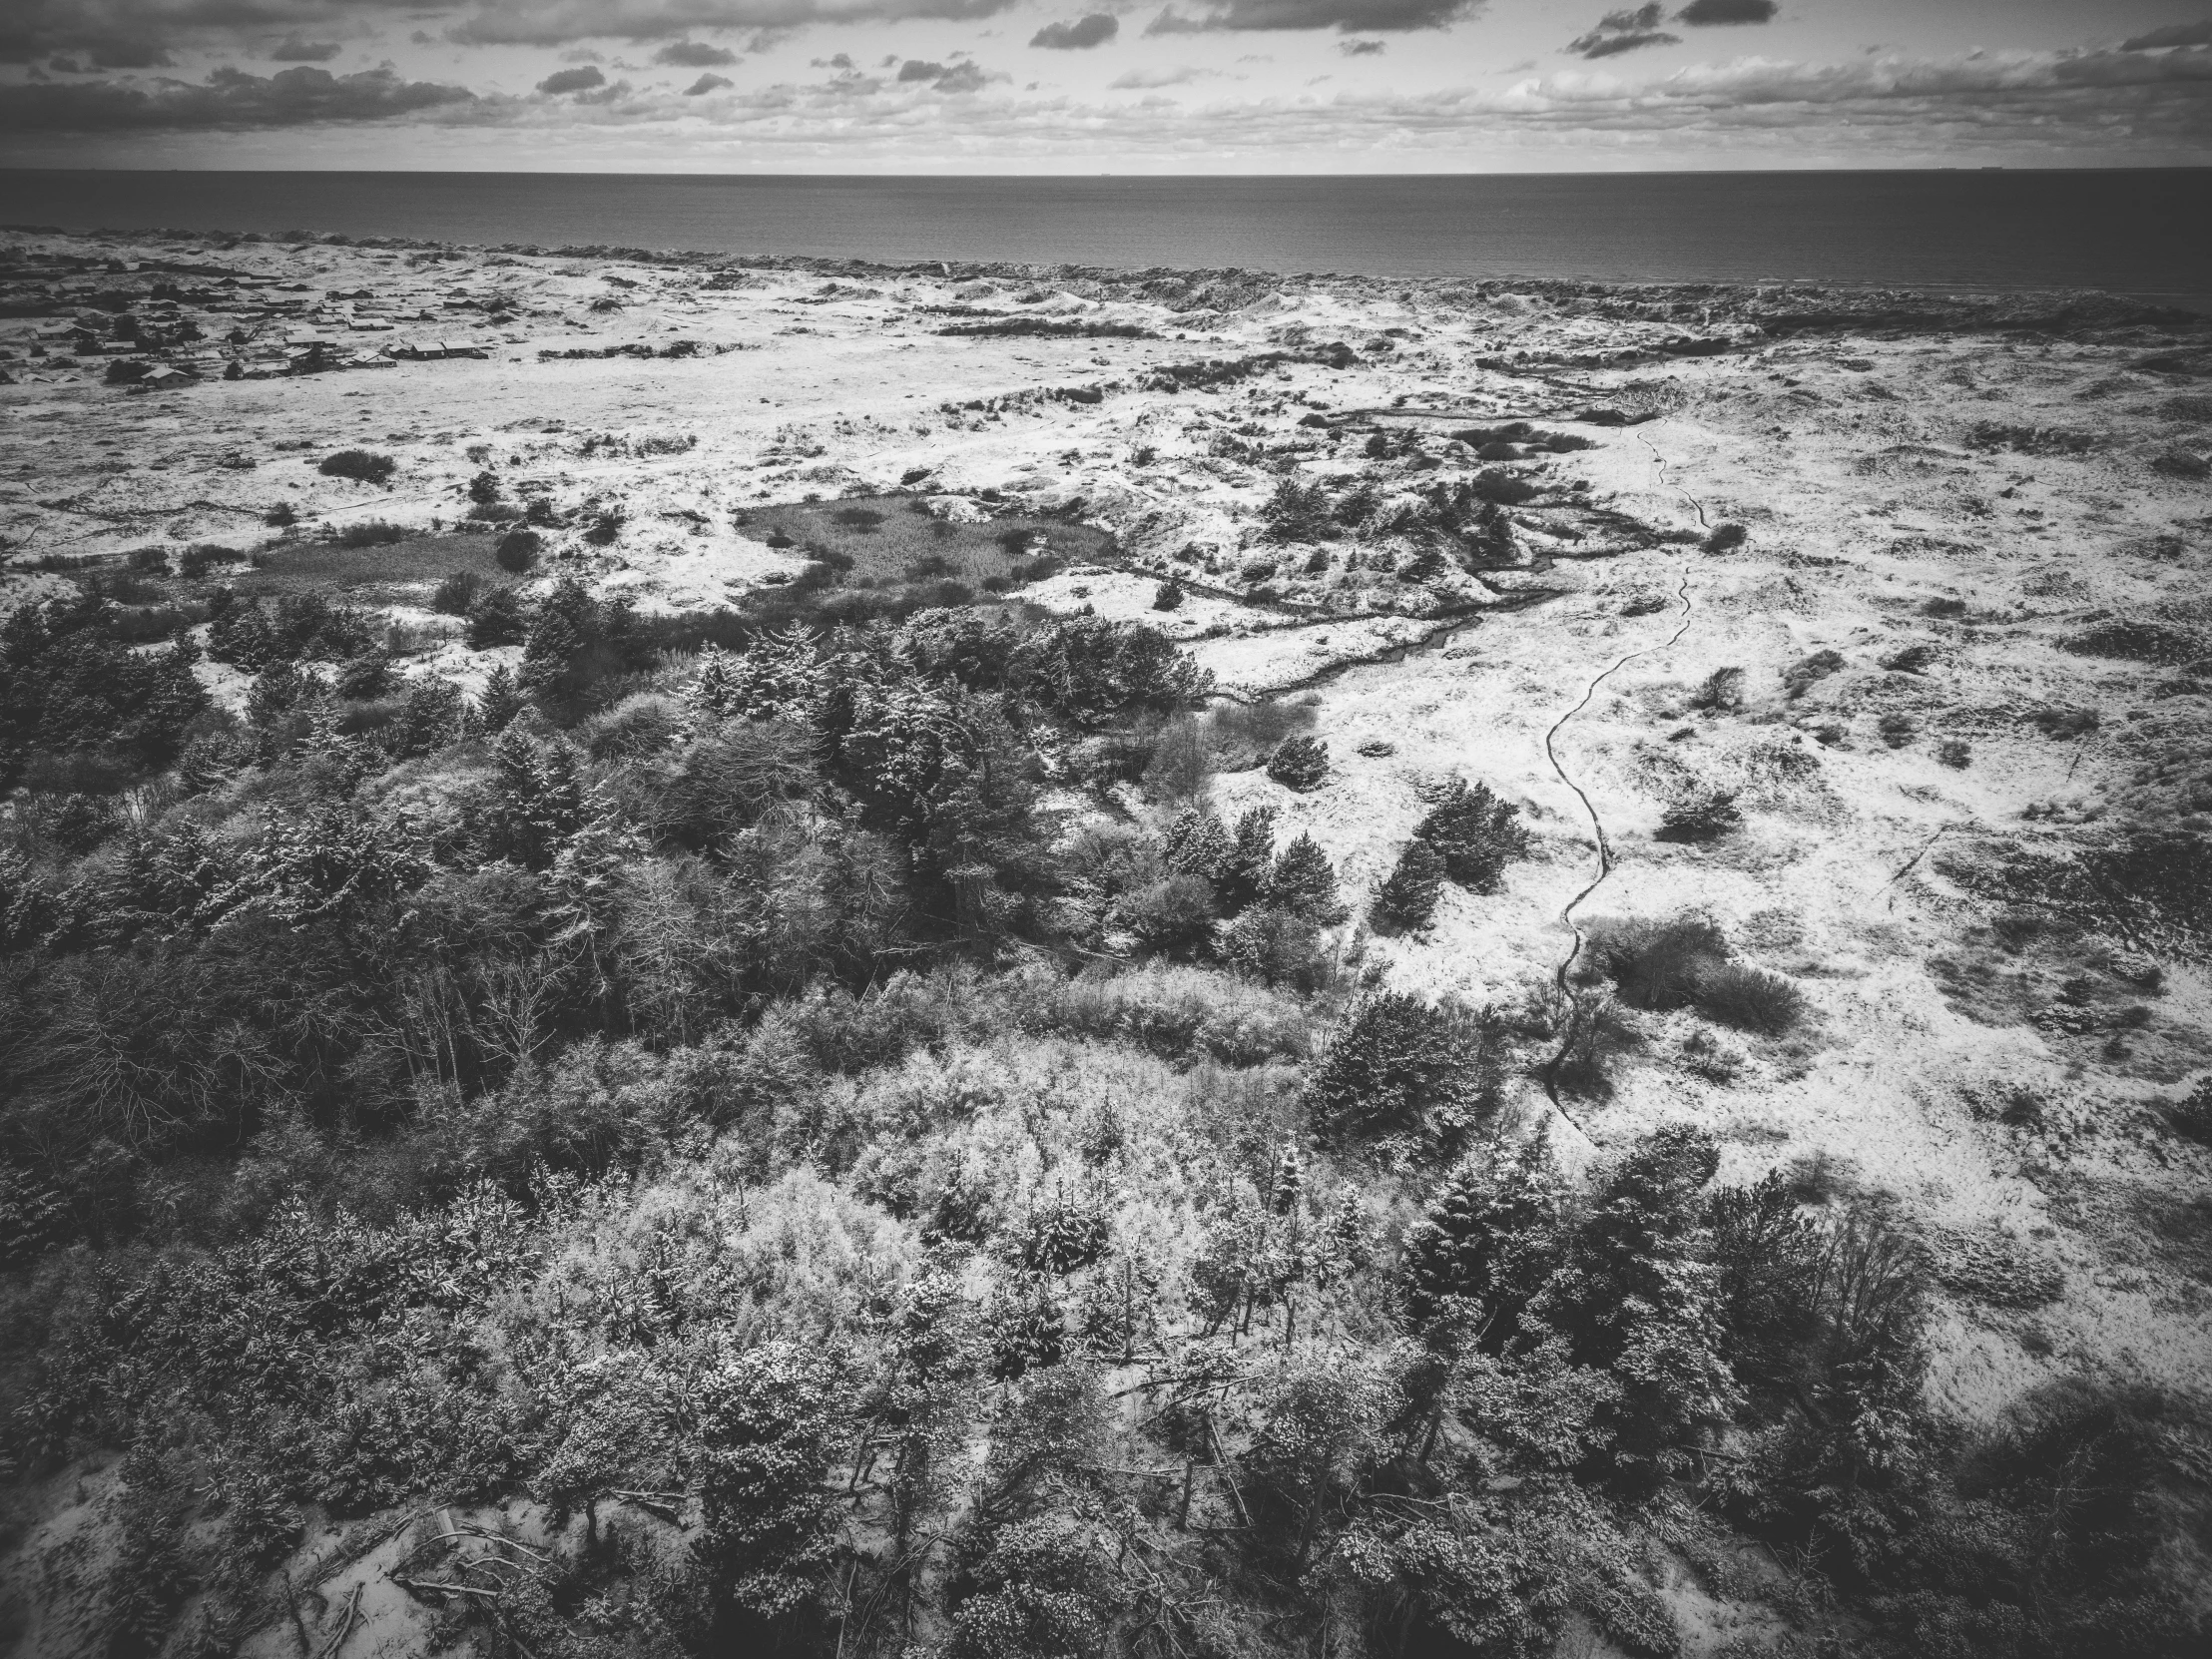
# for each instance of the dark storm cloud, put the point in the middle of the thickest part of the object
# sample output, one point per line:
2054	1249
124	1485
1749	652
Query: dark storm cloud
958	77
1082	34
695	54
1700	14
1344	16
553	22
2174	34
707	83
1624	31
138	34
292	49
573	80
230	98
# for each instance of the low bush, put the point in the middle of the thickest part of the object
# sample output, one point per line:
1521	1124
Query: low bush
1726	538
1241	734
1656	963
1177	1012
1748	998
2134	641
364	467
1801	676
370	532
1298	763
1898	729
2191	1116
518	550
1703	818
456	593
1278	947
1721	692
193	562
1955	753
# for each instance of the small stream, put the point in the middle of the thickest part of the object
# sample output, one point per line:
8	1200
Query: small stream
1597	822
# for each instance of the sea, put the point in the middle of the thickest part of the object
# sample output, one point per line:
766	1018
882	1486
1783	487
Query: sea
2144	234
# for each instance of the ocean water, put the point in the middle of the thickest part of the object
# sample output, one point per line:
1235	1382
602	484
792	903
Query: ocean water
2141	232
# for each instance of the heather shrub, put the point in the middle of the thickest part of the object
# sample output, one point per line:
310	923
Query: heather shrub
362	465
455	595
369	532
1277	948
1721	692
1702	817
1656	963
1748	998
1298	763
1802	675
518	550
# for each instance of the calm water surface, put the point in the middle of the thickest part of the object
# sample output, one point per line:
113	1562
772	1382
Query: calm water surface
2140	233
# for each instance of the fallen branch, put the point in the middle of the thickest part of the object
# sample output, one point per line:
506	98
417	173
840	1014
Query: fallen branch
425	1587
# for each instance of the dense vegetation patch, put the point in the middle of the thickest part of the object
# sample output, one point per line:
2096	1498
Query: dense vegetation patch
833	1113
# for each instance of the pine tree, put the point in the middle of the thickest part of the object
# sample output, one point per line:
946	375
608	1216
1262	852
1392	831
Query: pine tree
712	693
768	1422
1195	844
1303	882
1244	871
537	801
501	701
1475	833
1486	1244
1290	1181
1409	897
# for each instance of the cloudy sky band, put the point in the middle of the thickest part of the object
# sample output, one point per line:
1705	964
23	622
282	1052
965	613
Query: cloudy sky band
1333	85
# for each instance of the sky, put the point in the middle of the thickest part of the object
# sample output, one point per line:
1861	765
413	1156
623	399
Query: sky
1103	86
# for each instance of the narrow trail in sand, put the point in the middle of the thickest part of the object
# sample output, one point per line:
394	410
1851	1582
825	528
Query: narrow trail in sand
1597	823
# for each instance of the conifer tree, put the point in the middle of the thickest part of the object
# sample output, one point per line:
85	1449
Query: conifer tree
1409	897
1477	834
1244	871
1303	882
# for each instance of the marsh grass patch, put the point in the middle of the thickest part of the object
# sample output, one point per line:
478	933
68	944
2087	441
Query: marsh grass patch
413	560
890	540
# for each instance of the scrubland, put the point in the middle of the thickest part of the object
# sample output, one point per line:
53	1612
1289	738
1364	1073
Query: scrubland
974	960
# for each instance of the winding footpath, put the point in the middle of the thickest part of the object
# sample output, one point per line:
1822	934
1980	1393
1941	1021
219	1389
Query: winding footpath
1597	823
